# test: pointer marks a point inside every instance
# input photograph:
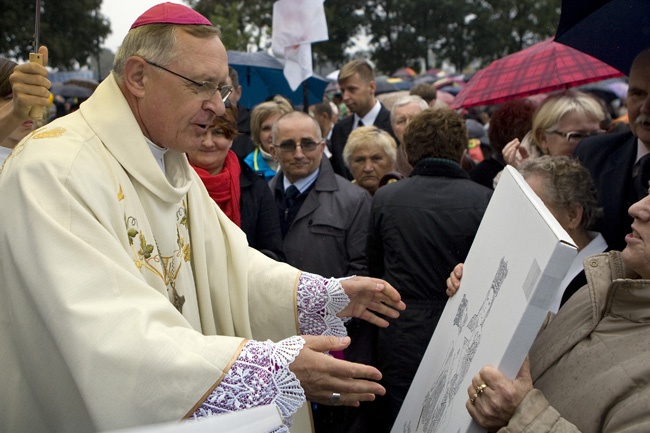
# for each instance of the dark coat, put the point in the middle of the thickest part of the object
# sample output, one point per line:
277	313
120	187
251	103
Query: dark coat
610	158
328	234
243	143
486	170
259	218
421	227
342	131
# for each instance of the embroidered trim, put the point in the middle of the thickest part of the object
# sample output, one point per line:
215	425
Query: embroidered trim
259	376
319	300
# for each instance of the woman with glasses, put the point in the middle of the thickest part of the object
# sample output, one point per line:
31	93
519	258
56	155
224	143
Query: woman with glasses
242	195
561	121
263	117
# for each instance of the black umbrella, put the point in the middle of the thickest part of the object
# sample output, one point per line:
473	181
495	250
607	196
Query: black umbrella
613	31
261	75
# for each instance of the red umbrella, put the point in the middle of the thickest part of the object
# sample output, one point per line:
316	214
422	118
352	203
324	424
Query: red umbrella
541	68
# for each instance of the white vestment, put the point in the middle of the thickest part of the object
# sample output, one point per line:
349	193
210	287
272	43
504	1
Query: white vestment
97	246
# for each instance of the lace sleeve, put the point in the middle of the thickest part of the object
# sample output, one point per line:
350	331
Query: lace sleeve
258	377
319	299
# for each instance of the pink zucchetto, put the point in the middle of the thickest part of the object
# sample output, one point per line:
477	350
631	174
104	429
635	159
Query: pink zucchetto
171	13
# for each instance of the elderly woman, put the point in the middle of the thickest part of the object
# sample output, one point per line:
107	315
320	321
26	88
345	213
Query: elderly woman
560	122
369	154
263	117
242	195
587	370
21	88
567	190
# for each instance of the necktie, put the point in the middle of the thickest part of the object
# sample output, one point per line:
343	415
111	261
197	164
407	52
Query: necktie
642	177
290	195
360	123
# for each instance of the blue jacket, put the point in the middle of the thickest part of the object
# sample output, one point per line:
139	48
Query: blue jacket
256	161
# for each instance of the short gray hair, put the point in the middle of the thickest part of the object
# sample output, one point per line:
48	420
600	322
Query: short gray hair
568	183
292	115
156	43
373	136
406	100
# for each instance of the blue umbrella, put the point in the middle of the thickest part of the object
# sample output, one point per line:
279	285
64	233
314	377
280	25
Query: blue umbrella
261	75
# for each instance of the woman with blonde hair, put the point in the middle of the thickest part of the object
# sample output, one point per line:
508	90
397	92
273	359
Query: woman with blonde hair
369	154
263	117
560	122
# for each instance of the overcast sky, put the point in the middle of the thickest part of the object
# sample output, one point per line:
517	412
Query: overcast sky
122	13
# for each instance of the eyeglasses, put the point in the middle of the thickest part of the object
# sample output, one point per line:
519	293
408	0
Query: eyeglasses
289	146
206	88
575	136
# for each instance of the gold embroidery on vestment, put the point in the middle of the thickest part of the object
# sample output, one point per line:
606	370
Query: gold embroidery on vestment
49	133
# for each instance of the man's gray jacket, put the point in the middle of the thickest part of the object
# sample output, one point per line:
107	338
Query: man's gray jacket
328	235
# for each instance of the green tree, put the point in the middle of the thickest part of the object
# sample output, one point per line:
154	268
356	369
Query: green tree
344	20
73	30
458	31
528	22
242	22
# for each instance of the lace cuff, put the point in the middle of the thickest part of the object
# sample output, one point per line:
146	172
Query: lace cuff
258	377
319	299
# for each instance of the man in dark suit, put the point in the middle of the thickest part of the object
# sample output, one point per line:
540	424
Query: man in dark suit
325	117
357	83
619	163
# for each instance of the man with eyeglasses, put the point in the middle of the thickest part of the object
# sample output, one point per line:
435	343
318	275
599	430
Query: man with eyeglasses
323	217
619	162
128	297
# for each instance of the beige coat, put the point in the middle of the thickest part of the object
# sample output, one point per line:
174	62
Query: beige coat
97	245
591	363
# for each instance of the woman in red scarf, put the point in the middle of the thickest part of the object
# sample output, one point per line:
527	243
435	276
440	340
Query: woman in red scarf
242	195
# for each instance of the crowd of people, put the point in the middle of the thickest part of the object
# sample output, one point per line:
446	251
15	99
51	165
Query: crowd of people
168	254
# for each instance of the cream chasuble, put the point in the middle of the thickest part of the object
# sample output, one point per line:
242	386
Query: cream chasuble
126	293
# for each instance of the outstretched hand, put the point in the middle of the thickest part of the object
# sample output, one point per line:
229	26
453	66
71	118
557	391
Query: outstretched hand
321	375
369	296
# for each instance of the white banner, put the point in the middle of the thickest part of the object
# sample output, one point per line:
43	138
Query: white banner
296	25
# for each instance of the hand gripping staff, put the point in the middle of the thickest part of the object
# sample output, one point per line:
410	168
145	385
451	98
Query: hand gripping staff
36	113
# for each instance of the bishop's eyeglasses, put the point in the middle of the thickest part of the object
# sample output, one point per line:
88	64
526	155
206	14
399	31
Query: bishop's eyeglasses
206	89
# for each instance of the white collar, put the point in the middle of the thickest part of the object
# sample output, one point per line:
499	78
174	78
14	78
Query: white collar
370	117
596	246
302	184
158	153
641	150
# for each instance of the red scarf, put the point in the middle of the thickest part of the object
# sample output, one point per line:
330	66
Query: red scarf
224	187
